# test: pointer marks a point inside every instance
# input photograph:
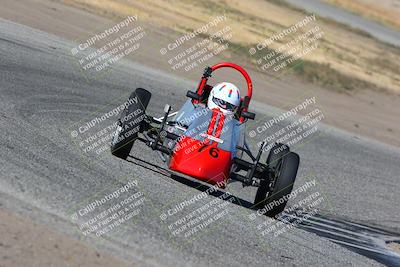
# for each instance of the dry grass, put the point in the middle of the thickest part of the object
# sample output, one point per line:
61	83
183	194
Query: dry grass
384	11
345	58
394	246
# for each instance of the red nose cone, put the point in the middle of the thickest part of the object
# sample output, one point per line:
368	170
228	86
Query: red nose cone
202	161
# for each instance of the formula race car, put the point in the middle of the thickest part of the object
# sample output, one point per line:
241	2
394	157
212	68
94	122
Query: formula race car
205	139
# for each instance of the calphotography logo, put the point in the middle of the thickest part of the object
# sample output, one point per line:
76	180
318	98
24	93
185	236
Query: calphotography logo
188	52
109	211
290	127
102	50
284	49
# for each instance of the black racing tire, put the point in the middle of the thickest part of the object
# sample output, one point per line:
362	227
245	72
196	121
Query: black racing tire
130	123
273	160
276	161
277	152
286	177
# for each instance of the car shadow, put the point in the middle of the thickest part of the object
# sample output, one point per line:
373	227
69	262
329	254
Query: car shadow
362	239
189	182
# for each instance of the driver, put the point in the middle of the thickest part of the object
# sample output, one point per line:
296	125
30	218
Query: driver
224	97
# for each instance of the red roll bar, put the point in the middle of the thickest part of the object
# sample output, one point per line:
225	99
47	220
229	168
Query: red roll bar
241	70
209	70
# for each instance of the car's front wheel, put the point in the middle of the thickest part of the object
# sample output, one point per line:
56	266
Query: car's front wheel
284	165
130	123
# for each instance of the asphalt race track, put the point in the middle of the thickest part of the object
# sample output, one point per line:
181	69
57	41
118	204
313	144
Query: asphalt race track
47	177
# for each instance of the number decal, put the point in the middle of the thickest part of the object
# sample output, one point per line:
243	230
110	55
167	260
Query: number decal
214	152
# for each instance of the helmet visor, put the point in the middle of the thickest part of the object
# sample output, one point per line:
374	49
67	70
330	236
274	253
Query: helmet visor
223	104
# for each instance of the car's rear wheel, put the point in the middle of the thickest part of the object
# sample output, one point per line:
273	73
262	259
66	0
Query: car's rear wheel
284	165
130	123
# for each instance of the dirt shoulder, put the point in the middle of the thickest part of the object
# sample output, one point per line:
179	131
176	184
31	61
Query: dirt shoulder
24	243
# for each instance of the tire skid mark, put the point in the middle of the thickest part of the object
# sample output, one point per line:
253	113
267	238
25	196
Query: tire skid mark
362	239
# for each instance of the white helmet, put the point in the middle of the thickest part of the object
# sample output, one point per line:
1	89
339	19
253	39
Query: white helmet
225	97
